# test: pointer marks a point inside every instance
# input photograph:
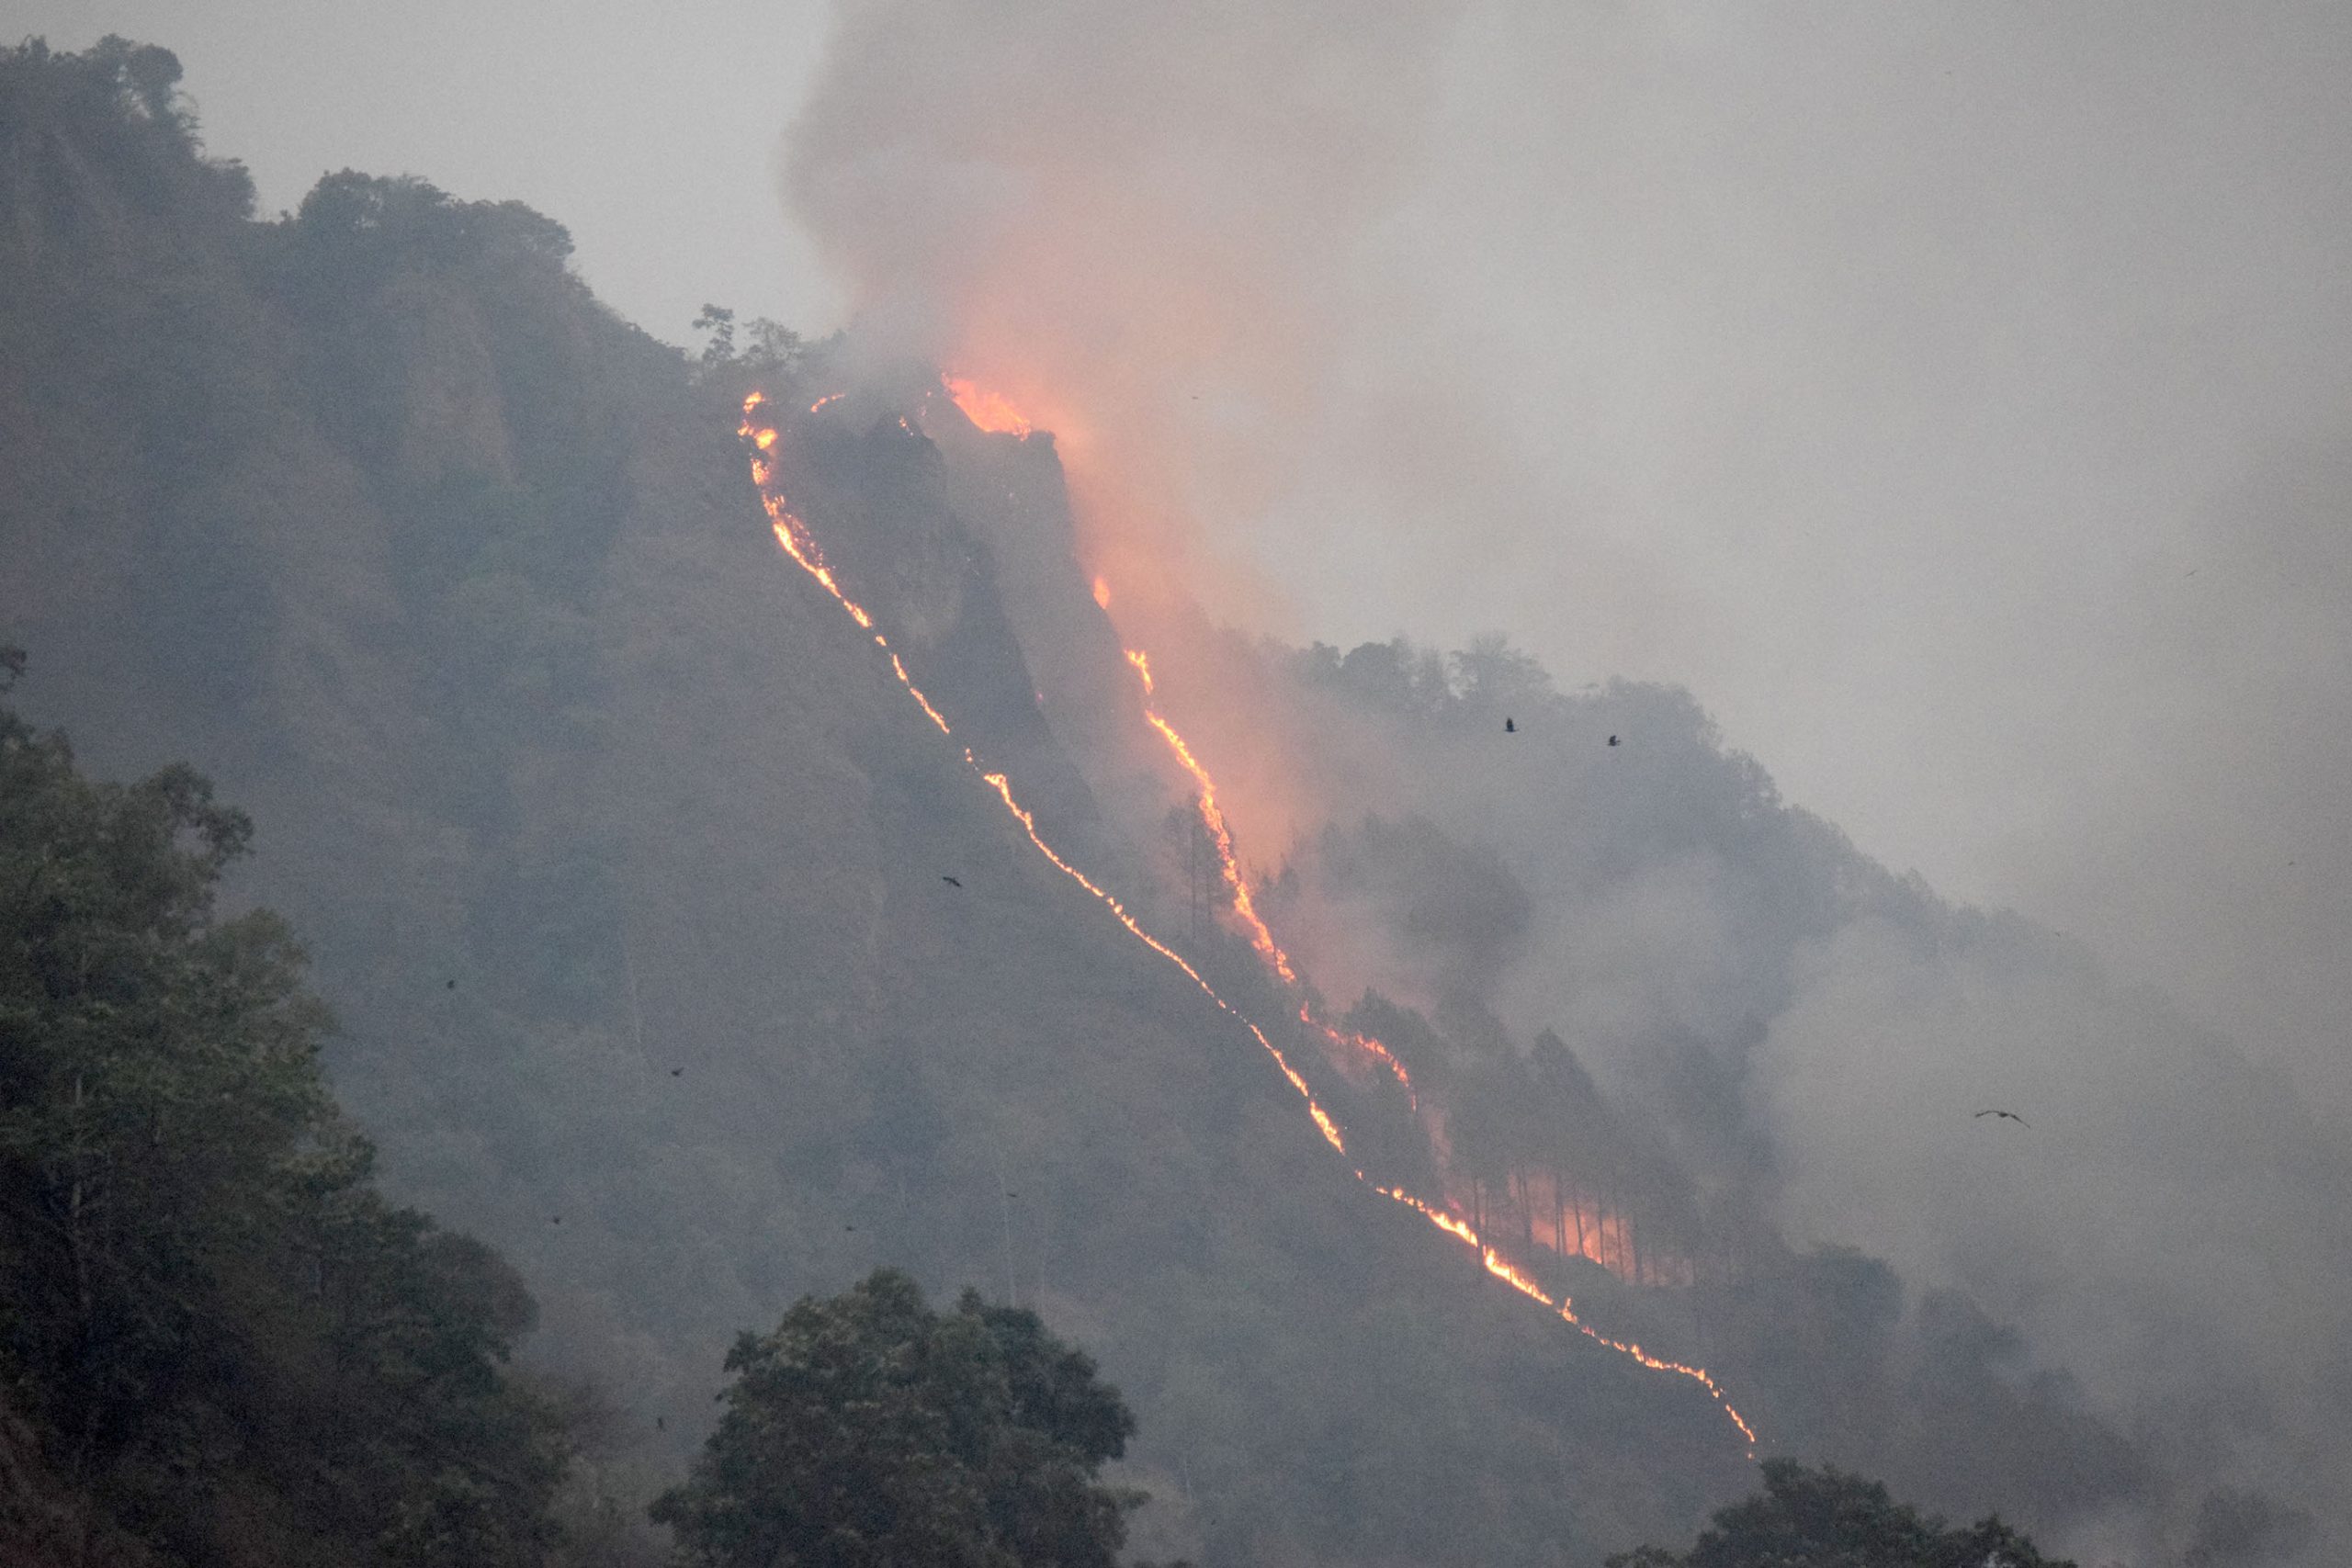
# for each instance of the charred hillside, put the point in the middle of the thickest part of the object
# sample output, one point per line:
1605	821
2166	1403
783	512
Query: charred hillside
625	859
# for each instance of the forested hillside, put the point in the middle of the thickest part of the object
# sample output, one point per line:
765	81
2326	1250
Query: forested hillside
676	954
219	1344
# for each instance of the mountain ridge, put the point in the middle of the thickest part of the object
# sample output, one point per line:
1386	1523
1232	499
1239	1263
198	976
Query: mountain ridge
621	853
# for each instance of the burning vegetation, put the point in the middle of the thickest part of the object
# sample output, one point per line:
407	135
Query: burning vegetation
1606	1243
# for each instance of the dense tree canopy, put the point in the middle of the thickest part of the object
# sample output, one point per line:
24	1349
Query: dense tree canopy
221	1338
870	1429
1823	1519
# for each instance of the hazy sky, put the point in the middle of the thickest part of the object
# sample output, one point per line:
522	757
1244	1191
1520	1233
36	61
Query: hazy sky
650	131
1956	398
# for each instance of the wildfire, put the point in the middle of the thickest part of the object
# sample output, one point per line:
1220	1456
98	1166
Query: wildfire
801	546
991	410
1262	936
792	535
1502	1270
1213	818
1367	1045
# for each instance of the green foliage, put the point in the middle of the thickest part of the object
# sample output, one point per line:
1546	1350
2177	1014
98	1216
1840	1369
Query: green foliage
1823	1519
774	349
868	1429
115	103
220	1334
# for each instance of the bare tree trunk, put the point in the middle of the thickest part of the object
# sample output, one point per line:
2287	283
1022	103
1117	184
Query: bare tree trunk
1004	1204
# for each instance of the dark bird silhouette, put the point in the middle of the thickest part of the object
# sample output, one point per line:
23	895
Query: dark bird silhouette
453	984
659	1425
1511	726
2005	1116
950	881
676	1072
1612	741
555	1219
849	1227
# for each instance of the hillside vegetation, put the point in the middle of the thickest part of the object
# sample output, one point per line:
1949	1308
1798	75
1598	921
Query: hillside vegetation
622	859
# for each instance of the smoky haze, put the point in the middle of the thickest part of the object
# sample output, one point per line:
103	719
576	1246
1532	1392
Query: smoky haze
1951	400
1945	397
1950	397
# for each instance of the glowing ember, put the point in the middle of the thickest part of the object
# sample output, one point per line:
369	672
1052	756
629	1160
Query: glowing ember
1494	1263
828	397
988	410
1262	937
1213	818
800	544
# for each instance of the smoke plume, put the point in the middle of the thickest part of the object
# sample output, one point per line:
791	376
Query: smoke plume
1888	379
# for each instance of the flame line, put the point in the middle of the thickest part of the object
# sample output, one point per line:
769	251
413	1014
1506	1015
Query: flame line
1262	936
792	535
1501	1268
1262	939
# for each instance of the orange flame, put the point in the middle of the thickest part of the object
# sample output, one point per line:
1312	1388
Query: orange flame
1262	936
991	410
828	397
1496	1265
797	543
1102	594
1213	818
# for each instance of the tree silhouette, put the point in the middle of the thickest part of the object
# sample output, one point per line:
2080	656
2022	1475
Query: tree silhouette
869	1429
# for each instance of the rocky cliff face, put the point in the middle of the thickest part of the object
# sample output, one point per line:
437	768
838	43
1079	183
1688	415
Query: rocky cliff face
622	859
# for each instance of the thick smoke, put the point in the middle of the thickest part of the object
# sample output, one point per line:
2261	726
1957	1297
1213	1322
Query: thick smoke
1944	395
1947	399
1137	223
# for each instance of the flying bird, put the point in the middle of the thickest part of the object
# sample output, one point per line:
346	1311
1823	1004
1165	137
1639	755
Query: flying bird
453	984
677	1072
1612	741
2005	1116
555	1219
1511	726
949	880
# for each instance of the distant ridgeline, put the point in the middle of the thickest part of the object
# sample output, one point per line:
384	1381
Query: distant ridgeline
626	864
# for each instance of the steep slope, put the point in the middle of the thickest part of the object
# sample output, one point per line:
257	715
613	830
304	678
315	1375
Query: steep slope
624	852
623	865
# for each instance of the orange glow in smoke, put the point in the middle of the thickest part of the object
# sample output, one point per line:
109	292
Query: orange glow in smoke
800	546
1262	936
991	410
1213	818
828	397
1102	594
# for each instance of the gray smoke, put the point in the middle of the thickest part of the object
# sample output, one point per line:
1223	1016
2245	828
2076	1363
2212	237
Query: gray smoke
1949	398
